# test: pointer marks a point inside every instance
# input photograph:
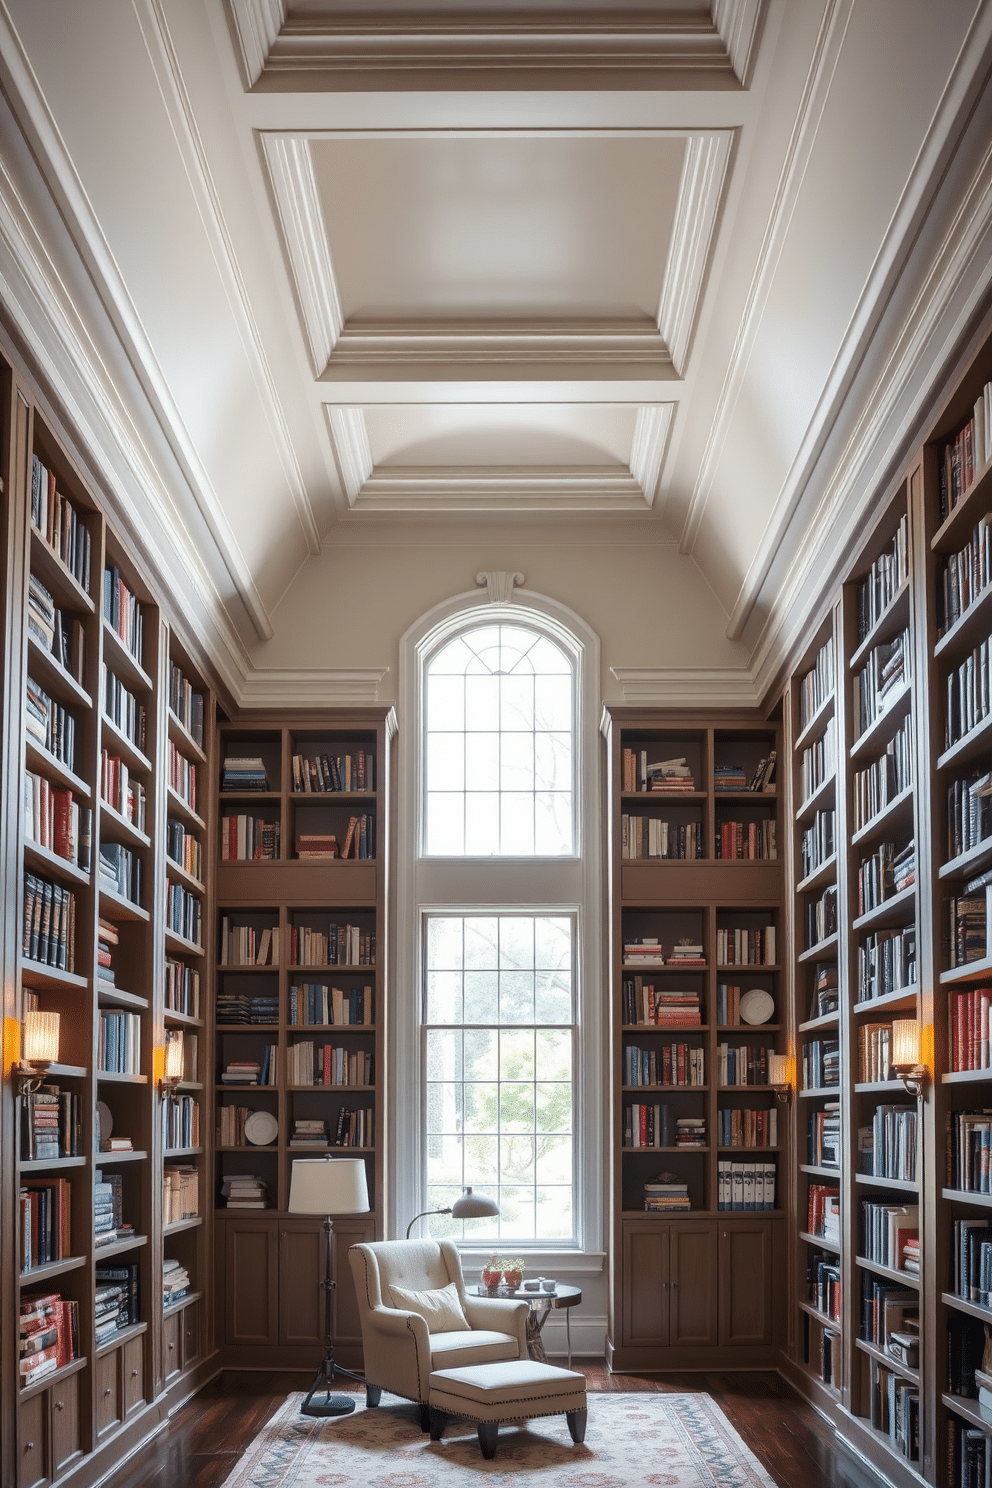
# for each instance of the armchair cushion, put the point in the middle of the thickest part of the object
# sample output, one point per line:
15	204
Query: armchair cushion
440	1308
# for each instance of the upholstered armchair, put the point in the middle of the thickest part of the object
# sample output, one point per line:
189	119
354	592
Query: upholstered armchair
417	1316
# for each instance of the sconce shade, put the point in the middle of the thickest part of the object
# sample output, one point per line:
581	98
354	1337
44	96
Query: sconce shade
778	1069
174	1055
905	1042
41	1037
328	1185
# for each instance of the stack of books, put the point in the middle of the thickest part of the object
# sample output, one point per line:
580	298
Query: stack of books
175	1281
670	775
686	953
240	1008
676	1009
316	845
108	937
643	950
729	778
245	1191
241	1072
690	1131
122	871
120	1283
243	774
307	1133
48	1336
665	1194
111	1310
108	1205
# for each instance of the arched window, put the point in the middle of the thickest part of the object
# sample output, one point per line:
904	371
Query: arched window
496	1049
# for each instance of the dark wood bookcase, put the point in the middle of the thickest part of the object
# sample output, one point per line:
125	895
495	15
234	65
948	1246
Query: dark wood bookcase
270	1264
688	1286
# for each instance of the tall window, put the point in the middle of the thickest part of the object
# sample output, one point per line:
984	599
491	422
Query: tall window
499	720
499	1034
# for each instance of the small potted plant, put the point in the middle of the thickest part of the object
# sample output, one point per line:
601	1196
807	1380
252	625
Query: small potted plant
513	1272
492	1272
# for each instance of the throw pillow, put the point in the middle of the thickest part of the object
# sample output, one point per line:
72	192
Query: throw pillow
441	1309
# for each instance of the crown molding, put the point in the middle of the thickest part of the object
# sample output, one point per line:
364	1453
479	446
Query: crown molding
311	687
701	188
294	187
647	450
317	48
350	446
687	687
826	52
469	488
54	307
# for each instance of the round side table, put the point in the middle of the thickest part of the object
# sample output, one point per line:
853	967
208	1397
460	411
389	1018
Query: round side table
541	1305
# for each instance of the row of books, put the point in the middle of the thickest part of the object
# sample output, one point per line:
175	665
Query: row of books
823	1136
182	988
57	822
895	1409
742	1064
109	1224
49	929
326	1064
180	1193
119	1043
244	1191
824	991
334	772
650	837
51	1124
968	1028
230	1128
818	762
972	1260
309	1132
885	1230
665	1064
736	946
59	523
969	916
821	1064
640	774
56	631
747	1126
823	1212
648	950
47	1336
886	1309
647	1124
969	812
183	912
49	725
244	1008
887	670
884	873
969	1452
184	848
817	842
123	709
888	1147
884	579
123	611
817	684
181	777
121	790
180	1122
122	870
645	1003
874	1052
747	841
314	1004
45	1211
186	703
820	918
248	945
965	455
873	787
341	945
823	1286
745	1185
964	575
245	838
969	1151
886	962
728	777
969	697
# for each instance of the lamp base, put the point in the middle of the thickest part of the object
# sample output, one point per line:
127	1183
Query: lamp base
330	1405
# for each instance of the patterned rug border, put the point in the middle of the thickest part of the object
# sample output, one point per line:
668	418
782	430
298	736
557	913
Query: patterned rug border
710	1452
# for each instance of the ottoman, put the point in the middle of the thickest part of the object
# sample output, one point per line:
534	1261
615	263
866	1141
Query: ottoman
512	1390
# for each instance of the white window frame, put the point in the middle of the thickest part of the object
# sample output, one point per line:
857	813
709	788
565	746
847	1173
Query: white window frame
571	885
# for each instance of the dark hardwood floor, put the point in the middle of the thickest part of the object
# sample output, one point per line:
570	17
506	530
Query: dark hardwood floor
203	1441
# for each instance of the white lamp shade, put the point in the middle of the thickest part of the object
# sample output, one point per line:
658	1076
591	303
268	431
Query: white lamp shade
41	1037
174	1055
778	1069
905	1041
328	1185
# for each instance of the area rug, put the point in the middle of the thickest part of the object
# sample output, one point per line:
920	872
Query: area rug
672	1441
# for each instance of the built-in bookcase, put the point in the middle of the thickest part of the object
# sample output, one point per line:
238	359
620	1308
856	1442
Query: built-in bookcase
697	1120
301	858
88	826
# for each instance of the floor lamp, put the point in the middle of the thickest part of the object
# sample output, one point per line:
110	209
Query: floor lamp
468	1205
329	1186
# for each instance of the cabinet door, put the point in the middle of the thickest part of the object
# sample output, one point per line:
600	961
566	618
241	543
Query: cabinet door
189	1323
65	1423
251	1282
745	1283
347	1323
301	1296
134	1371
693	1290
646	1293
107	1384
172	1358
32	1472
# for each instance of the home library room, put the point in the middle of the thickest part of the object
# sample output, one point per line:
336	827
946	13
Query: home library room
92	685
887	715
299	1009
698	1054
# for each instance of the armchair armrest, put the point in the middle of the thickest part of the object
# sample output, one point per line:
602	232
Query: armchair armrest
397	1351
501	1314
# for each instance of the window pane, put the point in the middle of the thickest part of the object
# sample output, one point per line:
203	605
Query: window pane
552	998
445	824
516	997
482	1107
481	992
554	1160
516	1108
482	825
553	1213
517	704
444	1055
553	703
481	762
516	825
446	762
481	942
481	1054
516	763
444	1108
553	1106
445	938
516	942
553	942
516	1054
552	762
445	702
552	824
444	997
481	703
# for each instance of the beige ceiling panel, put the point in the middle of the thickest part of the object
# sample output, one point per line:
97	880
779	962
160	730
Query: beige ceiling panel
521	434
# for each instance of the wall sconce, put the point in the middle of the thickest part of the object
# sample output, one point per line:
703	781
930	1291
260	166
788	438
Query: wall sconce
173	1068
906	1064
778	1077
40	1049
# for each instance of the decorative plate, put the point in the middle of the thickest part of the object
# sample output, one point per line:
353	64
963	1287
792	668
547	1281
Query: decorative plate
261	1128
757	1005
104	1122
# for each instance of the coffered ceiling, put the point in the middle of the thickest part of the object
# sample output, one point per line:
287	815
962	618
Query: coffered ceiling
681	268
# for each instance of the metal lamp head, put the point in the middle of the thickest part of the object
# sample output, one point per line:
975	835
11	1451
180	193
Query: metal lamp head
468	1205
